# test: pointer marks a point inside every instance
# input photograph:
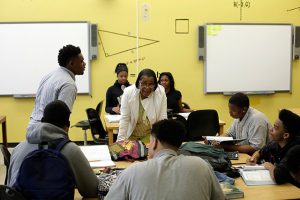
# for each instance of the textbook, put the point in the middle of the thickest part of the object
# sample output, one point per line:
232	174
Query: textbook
256	175
227	140
98	156
231	191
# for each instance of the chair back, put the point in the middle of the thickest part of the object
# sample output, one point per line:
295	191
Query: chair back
202	123
98	132
180	119
8	193
99	108
6	158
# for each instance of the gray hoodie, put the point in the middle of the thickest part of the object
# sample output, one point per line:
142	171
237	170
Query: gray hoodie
85	179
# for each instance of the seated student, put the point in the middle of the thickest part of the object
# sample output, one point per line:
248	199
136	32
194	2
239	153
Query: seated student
293	165
114	93
284	135
167	175
55	125
174	97
249	124
143	104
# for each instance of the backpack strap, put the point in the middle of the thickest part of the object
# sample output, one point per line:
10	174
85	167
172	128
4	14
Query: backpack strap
61	144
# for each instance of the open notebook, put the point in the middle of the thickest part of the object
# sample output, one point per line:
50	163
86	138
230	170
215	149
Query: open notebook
98	156
256	175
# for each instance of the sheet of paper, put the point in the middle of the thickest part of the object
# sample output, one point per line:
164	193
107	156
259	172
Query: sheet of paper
185	115
113	118
253	167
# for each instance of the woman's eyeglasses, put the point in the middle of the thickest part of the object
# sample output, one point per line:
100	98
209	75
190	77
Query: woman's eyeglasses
147	85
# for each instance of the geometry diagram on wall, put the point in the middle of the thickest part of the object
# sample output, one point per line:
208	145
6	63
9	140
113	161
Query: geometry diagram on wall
293	9
241	4
115	43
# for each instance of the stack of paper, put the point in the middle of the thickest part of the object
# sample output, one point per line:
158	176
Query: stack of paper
113	118
256	175
98	156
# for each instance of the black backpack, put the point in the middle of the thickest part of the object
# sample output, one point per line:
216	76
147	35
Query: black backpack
46	174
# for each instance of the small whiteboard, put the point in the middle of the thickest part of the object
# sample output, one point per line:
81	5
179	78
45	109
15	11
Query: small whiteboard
253	58
29	51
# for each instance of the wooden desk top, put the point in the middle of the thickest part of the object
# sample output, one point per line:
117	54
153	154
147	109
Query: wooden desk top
115	125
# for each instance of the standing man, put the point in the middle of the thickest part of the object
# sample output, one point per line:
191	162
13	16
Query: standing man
60	83
249	124
167	175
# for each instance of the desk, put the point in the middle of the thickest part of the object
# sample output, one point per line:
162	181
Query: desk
265	192
3	122
110	127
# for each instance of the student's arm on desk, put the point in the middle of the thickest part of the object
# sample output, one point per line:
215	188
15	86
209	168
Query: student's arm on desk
240	148
86	181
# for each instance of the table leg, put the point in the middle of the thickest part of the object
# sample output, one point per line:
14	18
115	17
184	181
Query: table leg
221	129
4	134
110	134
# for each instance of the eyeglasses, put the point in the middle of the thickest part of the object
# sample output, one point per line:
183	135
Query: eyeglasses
148	85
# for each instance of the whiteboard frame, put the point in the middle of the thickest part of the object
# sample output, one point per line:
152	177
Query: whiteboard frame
248	91
86	57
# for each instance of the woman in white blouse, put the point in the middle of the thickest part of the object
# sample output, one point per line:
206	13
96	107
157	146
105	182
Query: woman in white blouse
142	105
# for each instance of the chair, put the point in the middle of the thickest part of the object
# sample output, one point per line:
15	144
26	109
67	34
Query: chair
98	132
6	158
202	123
179	118
8	193
85	125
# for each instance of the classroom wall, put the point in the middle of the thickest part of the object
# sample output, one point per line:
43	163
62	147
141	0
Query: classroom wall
176	53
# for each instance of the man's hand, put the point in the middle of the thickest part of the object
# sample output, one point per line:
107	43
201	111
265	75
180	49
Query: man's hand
253	159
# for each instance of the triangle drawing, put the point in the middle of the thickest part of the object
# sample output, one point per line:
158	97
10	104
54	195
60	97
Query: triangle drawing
116	43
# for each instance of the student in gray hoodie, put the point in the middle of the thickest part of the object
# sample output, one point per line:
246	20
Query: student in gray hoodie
55	125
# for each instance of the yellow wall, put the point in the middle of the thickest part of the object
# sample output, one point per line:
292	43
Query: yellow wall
174	52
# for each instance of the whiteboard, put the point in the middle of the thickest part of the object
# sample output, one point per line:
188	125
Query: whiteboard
29	51
248	57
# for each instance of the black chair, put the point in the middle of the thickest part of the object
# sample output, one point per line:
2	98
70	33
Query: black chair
6	158
179	118
202	123
98	132
85	125
8	193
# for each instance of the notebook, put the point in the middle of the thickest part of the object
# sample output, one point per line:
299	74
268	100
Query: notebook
256	175
98	156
